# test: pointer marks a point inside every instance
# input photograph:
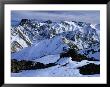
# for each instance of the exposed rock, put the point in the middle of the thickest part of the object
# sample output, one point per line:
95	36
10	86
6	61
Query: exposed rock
24	21
74	55
90	69
17	66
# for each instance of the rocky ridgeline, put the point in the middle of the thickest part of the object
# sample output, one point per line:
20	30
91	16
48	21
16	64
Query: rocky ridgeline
28	31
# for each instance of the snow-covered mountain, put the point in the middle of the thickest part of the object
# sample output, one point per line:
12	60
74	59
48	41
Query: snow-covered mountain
81	33
30	32
45	41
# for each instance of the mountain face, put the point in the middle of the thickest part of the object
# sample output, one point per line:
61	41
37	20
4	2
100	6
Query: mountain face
50	42
30	31
18	39
84	36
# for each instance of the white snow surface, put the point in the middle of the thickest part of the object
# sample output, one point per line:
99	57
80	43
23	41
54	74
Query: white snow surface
41	49
48	59
95	55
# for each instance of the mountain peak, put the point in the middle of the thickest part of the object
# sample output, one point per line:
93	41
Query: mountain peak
24	21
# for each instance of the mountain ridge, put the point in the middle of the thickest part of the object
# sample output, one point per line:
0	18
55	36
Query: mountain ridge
77	34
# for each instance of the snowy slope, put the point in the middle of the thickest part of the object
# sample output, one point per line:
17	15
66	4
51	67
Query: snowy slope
41	49
48	59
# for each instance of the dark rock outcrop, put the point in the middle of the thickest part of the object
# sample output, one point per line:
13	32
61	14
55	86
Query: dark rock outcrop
24	21
89	69
17	66
74	55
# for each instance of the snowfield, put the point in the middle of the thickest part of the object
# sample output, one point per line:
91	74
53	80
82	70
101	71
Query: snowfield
41	49
48	59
